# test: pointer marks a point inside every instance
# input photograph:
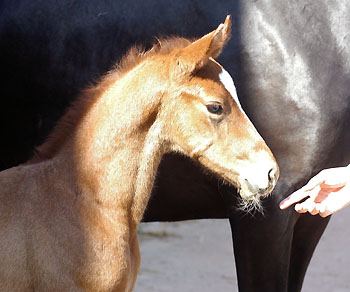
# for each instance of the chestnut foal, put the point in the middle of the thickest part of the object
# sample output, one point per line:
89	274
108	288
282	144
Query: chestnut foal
68	218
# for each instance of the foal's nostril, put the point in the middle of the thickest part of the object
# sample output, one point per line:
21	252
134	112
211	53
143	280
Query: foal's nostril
272	175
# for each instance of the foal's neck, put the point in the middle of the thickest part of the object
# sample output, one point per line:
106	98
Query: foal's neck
117	147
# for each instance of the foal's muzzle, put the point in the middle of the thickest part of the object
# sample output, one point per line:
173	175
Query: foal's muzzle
261	188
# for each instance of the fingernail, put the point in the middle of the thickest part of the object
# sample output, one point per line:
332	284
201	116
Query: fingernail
284	202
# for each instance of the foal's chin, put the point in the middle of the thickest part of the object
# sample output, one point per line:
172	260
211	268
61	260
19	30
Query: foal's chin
251	202
248	202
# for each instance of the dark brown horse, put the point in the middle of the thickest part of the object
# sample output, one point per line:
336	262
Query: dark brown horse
290	63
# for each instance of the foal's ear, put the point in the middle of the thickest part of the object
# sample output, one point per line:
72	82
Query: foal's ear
197	54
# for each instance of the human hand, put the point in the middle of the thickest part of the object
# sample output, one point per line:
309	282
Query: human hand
328	192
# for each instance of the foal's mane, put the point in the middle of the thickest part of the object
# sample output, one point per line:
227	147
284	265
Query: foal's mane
78	108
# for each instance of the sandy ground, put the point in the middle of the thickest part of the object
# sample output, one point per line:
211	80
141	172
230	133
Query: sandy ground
197	256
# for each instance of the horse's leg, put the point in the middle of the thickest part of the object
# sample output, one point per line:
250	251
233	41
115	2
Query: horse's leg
262	247
307	232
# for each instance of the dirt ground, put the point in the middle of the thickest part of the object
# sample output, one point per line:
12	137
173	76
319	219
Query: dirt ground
197	256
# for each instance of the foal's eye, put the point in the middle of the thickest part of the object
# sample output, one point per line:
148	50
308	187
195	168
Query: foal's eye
215	109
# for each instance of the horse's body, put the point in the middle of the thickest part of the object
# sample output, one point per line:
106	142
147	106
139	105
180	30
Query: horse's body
68	218
291	64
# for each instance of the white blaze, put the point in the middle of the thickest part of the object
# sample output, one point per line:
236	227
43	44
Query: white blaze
227	81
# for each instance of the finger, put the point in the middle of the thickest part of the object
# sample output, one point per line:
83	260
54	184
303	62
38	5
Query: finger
333	177
313	211
314	182
300	209
307	206
311	207
300	195
293	198
333	185
321	208
325	213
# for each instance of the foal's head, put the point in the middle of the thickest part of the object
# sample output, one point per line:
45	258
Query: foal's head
204	120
